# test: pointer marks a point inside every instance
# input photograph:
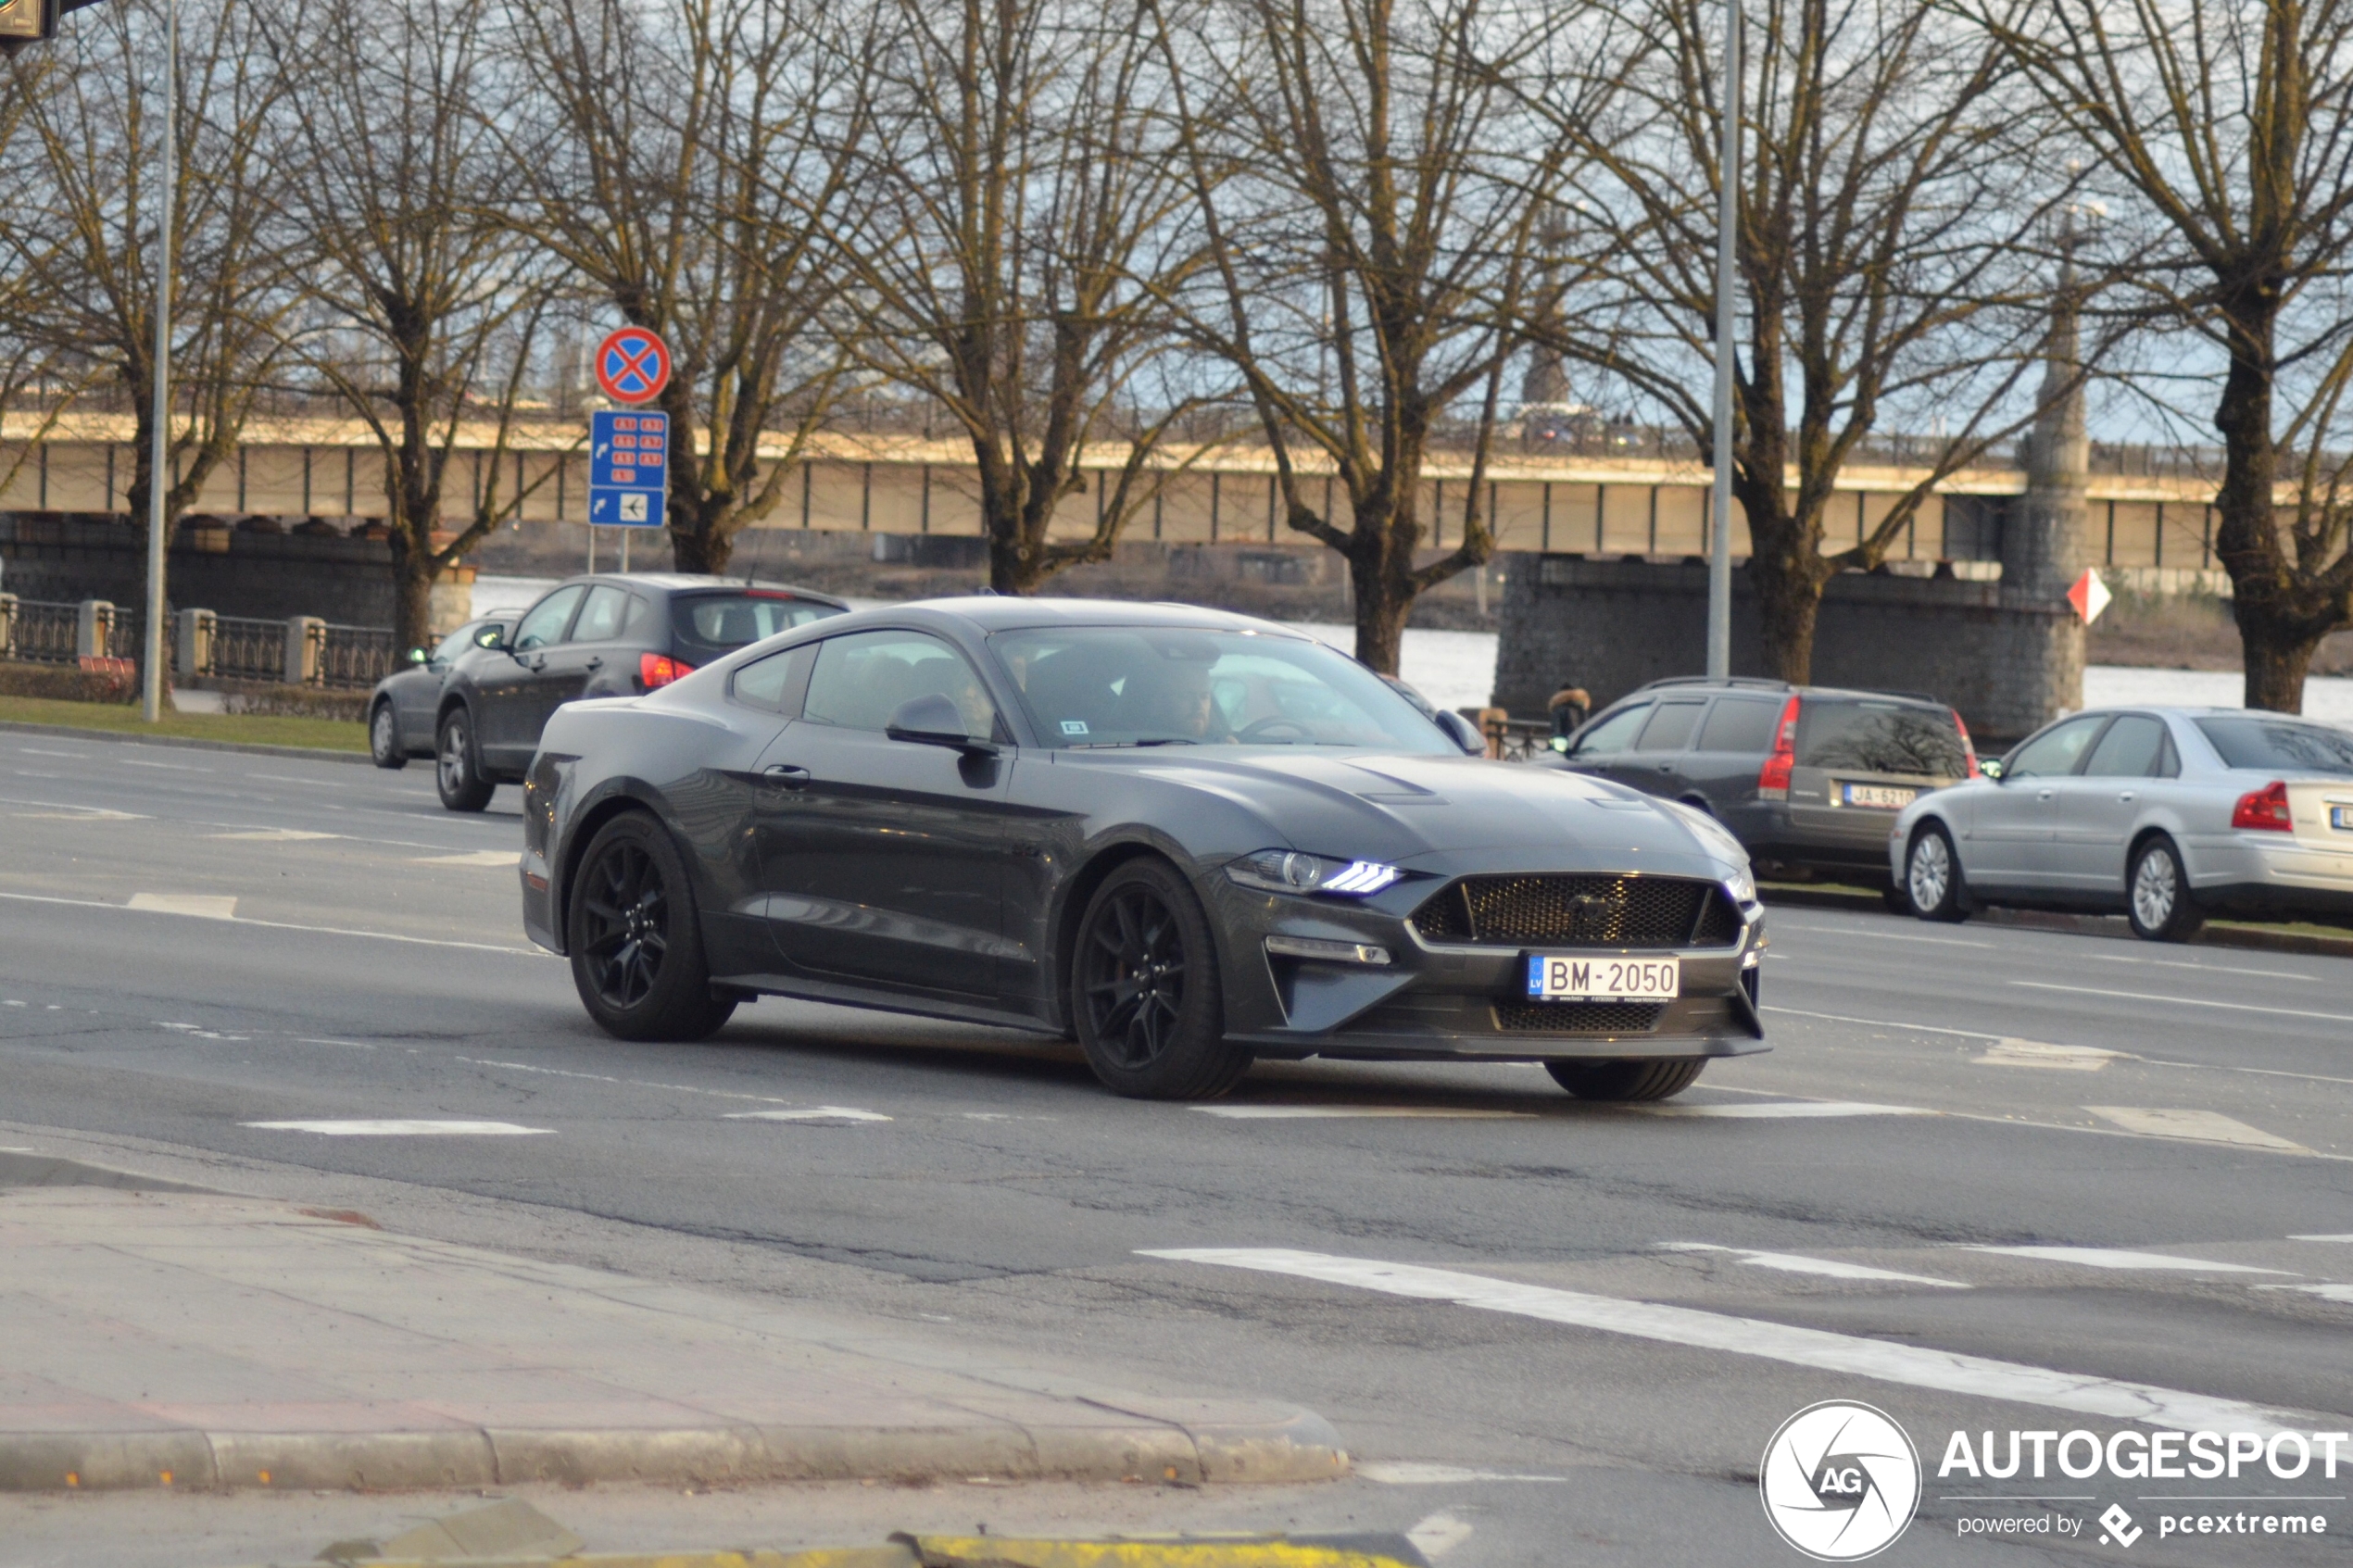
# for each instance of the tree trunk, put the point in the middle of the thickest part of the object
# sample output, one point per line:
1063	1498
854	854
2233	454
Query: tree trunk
699	550
1380	570
411	603
2246	539
2277	660
1788	600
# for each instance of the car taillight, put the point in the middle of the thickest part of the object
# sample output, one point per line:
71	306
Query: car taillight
1773	778
659	669
2264	809
1968	747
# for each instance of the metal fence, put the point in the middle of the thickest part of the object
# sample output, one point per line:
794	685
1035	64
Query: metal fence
47	633
303	650
245	649
354	656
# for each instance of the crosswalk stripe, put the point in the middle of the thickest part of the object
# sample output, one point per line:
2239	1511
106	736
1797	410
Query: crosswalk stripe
2118	1258
400	1127
1768	1111
1916	1365
809	1113
1324	1112
2195	1127
1797	1263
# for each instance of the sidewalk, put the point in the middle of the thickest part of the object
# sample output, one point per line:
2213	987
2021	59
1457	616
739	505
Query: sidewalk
160	1338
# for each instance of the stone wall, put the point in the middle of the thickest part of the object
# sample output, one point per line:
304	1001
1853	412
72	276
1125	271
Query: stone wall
2005	663
267	576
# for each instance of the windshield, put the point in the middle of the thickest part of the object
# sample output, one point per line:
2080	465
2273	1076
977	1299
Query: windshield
2280	746
707	625
1119	686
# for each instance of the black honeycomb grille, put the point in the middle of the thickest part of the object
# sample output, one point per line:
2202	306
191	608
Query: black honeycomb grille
1578	1018
1582	911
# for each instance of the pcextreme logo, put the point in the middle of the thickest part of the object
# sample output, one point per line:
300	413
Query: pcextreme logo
1840	1481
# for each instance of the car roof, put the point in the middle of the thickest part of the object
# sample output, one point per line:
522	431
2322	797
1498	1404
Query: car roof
1764	683
988	612
681	581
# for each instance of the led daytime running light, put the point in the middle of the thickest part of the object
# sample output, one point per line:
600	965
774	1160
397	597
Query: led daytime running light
1361	877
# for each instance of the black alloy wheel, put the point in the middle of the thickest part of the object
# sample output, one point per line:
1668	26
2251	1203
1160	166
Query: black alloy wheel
1144	989
2156	894
384	738
1932	879
1627	1080
637	946
457	765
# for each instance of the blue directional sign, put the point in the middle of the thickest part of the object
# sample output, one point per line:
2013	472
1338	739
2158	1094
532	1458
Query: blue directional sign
628	468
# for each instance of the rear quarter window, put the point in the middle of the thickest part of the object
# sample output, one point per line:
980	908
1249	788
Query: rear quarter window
1741	724
1879	737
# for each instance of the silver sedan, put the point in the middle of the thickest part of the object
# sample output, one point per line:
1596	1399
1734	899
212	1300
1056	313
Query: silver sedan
2169	814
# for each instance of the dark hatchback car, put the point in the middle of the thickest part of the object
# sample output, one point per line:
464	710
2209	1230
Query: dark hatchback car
402	708
594	636
1807	777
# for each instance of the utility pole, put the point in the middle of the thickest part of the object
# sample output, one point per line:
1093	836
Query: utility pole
159	452
1719	543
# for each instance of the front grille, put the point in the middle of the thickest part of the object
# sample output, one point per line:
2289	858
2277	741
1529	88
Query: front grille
1582	911
1580	1018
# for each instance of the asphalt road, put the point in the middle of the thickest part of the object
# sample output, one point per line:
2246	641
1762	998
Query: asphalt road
2117	1171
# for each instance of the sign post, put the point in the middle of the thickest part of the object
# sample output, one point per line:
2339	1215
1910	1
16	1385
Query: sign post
629	448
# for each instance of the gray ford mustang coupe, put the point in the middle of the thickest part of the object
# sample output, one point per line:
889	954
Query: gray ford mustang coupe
1186	838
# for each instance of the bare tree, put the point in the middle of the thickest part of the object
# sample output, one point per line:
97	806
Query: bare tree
92	291
1886	249
1370	194
423	304
695	156
38	379
2233	125
1019	225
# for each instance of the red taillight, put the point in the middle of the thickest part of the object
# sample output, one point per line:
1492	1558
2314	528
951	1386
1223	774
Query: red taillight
659	669
1774	776
2264	809
1968	747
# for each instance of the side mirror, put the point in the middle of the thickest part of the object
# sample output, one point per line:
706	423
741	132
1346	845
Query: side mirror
1462	732
1991	767
935	721
418	656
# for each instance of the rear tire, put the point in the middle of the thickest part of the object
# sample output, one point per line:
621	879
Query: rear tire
637	941
457	765
1627	1082
384	738
2156	894
1144	992
1932	880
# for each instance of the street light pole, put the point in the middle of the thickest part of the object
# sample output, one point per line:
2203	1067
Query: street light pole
1719	544
159	450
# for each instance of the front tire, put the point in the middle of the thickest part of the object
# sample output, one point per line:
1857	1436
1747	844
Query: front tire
1144	992
1627	1082
1932	880
2156	894
635	939
384	738
457	765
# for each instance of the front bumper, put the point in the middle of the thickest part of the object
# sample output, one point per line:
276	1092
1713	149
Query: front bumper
1462	1001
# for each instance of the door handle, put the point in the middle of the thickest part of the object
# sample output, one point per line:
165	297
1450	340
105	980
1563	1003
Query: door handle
2044	794
2126	796
785	774
596	664
1666	767
538	663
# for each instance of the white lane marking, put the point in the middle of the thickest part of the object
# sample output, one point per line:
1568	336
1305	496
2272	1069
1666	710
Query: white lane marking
810	1113
2197	1126
355	1045
11	1003
485	857
2291	1238
1775	1109
1412	1473
1437	1534
274	835
1888	1023
91	814
282	778
399	1128
2119	1258
2325	1292
2183	1001
1323	1112
2056	1059
1797	1263
2201	968
202	904
170	766
1918	1366
1781	926
629	1083
36	751
288	925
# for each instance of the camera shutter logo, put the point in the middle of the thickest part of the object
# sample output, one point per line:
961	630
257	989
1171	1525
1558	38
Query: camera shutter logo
1840	1481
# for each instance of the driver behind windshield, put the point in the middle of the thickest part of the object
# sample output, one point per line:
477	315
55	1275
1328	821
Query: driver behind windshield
1171	700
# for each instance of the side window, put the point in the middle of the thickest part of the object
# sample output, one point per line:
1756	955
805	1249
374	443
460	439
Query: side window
1740	723
1670	728
600	616
2054	753
639	625
1612	732
773	682
2132	748
862	679
545	623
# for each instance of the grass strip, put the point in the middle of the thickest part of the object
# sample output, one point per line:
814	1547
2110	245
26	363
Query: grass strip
243	729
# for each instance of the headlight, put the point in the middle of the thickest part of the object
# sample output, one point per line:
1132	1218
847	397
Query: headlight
1741	886
1287	870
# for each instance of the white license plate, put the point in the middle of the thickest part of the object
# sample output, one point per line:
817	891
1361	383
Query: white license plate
1887	797
1558	977
2341	818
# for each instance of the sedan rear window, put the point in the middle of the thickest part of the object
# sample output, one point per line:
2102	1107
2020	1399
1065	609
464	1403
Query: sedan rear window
707	625
1880	738
2280	746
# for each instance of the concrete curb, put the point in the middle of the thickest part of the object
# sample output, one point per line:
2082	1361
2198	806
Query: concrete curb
2216	934
1297	1448
190	742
